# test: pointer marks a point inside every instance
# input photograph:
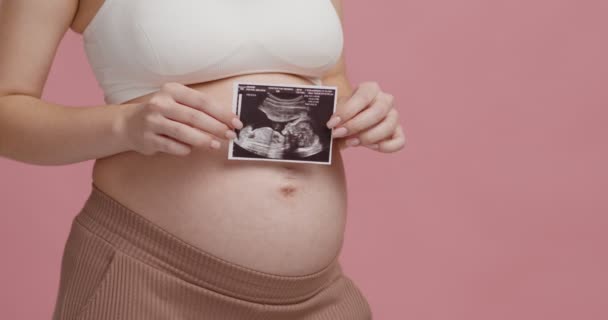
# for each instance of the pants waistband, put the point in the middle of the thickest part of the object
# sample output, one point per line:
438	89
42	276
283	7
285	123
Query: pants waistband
135	235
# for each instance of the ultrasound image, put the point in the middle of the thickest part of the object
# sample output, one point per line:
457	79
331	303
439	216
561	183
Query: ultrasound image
283	123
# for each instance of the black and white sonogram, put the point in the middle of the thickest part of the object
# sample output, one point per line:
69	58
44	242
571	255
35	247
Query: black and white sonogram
283	122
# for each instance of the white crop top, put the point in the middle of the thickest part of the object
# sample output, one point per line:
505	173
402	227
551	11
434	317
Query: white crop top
134	46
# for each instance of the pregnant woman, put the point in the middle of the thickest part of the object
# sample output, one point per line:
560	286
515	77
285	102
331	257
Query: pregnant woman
172	229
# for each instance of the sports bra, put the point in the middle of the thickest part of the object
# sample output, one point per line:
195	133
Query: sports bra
135	46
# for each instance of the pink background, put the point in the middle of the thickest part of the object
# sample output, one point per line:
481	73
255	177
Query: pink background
492	211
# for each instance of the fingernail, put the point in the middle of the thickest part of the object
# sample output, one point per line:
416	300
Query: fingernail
340	132
374	146
333	121
237	123
230	134
352	142
215	144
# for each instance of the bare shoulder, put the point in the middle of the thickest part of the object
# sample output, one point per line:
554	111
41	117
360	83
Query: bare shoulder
30	31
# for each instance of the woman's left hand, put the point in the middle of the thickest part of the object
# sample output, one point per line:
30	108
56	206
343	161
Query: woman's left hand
368	118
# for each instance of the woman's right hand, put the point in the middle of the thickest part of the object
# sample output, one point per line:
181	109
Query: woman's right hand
176	119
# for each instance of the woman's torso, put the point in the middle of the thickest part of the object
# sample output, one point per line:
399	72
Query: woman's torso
282	218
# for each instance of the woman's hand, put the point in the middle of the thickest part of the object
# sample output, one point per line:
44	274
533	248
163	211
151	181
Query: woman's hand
175	119
368	118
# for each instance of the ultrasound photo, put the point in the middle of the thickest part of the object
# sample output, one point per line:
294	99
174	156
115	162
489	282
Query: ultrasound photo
283	122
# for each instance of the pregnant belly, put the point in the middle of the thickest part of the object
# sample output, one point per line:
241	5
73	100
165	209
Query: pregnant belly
281	218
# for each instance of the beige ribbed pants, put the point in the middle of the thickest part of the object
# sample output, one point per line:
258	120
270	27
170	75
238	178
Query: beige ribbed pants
119	265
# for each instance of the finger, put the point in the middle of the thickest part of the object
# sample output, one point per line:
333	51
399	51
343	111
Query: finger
384	130
202	101
198	119
367	118
395	143
364	94
168	145
182	132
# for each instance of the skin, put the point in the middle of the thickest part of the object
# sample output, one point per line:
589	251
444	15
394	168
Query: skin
156	154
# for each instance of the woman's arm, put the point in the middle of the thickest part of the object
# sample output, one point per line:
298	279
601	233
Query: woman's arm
32	130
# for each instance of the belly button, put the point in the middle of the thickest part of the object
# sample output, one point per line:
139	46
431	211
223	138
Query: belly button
287	190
